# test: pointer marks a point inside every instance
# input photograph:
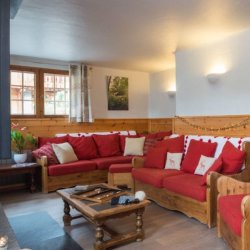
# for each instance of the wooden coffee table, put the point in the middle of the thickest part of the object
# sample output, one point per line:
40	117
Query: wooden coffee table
99	212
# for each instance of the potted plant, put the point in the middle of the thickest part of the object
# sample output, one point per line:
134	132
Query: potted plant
20	141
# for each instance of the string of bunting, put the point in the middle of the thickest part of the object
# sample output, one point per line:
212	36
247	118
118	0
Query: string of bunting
241	123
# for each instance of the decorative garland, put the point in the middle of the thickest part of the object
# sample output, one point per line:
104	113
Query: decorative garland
242	123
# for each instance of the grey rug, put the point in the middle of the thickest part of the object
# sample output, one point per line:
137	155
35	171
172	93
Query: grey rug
39	231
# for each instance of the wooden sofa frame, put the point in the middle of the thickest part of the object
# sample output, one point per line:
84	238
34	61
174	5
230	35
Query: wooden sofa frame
205	212
231	186
52	183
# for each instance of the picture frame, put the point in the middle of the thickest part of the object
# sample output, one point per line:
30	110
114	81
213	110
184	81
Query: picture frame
117	92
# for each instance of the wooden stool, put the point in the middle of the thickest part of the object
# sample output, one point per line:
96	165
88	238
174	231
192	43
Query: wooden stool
120	174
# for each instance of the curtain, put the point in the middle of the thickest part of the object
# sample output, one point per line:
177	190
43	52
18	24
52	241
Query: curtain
80	102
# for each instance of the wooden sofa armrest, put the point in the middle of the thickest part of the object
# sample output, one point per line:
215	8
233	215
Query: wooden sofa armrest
245	226
212	194
137	162
43	161
44	164
228	185
245	207
212	178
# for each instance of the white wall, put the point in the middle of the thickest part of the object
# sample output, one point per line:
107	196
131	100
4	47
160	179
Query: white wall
231	95
161	104
138	87
138	93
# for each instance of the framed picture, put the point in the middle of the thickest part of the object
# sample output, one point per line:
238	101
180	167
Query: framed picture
117	90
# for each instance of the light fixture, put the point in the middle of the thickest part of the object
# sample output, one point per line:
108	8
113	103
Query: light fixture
213	77
215	72
171	93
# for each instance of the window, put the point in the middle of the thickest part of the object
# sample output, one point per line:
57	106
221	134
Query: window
39	92
56	94
23	101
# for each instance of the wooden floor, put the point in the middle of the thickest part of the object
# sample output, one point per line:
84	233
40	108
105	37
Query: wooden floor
164	229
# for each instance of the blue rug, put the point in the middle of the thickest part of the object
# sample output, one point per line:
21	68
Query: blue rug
39	231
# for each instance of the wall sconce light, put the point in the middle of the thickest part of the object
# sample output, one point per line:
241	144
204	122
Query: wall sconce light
171	93
216	72
213	77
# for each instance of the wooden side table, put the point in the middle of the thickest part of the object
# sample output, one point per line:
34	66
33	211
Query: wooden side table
30	169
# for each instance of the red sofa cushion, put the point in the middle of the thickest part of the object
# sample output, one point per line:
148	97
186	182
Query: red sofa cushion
194	152
186	185
232	158
158	135
121	168
44	140
162	134
108	145
229	207
156	158
148	144
216	167
84	147
153	176
123	140
71	168
172	145
46	150
105	162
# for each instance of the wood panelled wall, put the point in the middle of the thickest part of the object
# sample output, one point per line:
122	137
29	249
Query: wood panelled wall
50	126
215	122
160	124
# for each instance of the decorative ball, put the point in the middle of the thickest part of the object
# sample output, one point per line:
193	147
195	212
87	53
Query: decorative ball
140	195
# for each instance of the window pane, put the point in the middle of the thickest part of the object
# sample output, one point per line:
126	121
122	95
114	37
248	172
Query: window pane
28	93
29	79
16	93
67	95
16	107
16	78
60	108
28	107
67	82
60	82
48	81
49	96
23	93
67	107
49	108
59	95
56	94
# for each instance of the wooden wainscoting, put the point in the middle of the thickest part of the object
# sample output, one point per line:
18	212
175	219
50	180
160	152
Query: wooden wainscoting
46	127
224	125
160	124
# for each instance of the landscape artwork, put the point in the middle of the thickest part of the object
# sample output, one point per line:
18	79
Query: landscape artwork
117	89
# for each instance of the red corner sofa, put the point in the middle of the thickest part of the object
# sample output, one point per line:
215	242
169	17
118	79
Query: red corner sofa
182	189
95	153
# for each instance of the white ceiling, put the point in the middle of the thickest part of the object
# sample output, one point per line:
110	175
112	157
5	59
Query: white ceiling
128	34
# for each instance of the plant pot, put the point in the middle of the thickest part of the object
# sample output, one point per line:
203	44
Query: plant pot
20	158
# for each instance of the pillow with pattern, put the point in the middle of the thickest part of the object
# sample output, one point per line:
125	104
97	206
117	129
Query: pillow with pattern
46	150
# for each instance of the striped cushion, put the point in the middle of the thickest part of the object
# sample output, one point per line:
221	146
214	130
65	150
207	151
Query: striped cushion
46	150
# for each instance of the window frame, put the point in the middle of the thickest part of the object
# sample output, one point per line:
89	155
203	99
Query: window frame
39	88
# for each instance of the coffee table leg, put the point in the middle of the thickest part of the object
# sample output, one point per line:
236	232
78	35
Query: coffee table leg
66	216
99	237
139	224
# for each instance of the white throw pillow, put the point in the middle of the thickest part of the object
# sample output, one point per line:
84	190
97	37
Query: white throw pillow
204	164
64	152
134	146
173	161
